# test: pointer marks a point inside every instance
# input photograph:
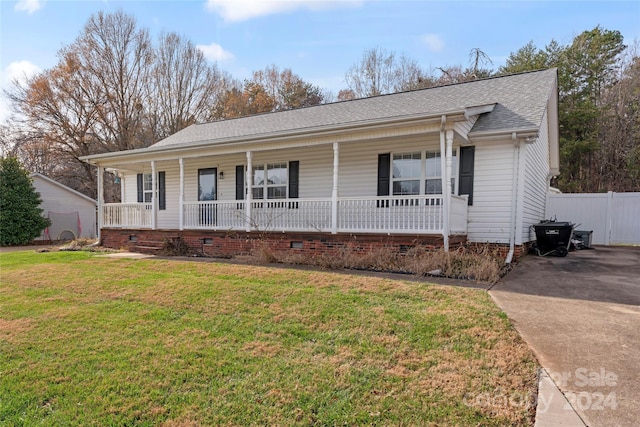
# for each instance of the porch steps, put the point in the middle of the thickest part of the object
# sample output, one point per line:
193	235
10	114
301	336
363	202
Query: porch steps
149	247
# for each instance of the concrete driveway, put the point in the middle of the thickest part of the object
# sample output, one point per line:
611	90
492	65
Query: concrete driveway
581	317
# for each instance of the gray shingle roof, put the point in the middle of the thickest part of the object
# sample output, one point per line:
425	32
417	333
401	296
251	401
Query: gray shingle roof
520	101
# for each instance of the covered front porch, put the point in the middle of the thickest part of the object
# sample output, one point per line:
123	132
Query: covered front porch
390	180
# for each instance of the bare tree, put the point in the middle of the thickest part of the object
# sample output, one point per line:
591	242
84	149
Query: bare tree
409	75
182	87
287	89
116	57
380	72
346	95
92	101
619	123
374	75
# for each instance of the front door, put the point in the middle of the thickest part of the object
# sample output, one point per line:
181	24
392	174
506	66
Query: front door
208	191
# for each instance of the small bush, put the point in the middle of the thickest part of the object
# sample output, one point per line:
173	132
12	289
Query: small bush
263	252
175	247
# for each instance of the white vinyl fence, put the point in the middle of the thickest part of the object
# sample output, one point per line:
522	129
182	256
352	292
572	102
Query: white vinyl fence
614	218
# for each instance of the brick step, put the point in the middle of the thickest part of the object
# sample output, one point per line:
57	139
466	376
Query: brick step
147	249
152	243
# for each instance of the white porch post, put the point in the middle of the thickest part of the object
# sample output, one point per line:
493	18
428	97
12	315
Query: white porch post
153	194
447	190
449	160
443	169
249	190
181	199
334	192
100	200
122	189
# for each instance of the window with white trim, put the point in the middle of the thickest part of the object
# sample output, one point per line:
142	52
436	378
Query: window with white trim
406	173
147	187
420	173
273	182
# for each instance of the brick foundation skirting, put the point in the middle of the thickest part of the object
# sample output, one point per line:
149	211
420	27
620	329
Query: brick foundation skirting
225	244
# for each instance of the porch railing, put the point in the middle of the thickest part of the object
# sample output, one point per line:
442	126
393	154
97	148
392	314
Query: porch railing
218	215
291	214
126	215
393	214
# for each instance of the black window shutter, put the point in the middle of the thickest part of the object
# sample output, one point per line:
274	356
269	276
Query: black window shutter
140	189
240	182
162	199
467	156
294	172
384	174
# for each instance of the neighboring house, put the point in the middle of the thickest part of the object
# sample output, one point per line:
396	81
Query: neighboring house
72	214
367	172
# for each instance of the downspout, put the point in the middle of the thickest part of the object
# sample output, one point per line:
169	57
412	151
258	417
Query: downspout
514	197
443	168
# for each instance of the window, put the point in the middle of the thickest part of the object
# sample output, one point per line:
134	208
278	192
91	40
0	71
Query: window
147	188
433	172
273	183
406	173
420	173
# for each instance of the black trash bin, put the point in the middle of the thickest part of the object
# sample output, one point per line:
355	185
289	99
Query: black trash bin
553	238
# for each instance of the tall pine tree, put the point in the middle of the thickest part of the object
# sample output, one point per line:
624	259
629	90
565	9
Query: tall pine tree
21	218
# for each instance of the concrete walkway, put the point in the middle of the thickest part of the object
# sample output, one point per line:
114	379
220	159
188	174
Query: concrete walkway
581	317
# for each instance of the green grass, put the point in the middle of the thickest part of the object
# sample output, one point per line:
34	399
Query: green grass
87	340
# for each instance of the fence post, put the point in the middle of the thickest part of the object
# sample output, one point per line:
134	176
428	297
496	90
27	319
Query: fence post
607	235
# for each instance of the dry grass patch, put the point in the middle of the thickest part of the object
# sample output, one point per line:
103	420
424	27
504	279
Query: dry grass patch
480	263
153	342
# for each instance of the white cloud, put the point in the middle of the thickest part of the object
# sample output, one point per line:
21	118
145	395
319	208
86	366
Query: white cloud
215	52
20	71
29	6
242	10
433	42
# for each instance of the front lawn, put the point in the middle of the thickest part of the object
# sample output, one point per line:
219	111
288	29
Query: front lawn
88	340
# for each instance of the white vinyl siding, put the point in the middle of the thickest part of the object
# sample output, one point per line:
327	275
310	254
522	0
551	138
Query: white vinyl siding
535	184
490	216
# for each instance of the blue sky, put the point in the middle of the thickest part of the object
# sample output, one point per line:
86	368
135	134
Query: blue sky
317	39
